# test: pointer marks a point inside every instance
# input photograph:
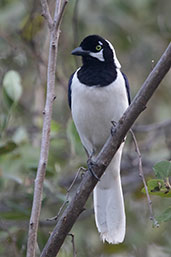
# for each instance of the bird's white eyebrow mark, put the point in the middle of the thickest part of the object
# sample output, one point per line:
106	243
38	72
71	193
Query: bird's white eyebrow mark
100	43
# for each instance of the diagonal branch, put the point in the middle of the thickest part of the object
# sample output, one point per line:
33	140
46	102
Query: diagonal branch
50	97
88	183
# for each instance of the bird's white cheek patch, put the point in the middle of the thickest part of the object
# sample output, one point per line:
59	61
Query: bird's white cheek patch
98	55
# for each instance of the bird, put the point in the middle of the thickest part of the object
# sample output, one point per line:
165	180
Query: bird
98	94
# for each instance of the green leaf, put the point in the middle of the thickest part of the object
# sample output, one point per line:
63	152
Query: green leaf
7	147
157	187
12	85
162	169
165	216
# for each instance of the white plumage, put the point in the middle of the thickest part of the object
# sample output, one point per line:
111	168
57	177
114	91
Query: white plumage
93	109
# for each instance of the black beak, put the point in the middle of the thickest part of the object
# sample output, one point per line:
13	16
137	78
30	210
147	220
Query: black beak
80	51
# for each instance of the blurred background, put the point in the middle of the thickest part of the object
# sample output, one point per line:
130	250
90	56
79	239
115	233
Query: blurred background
140	32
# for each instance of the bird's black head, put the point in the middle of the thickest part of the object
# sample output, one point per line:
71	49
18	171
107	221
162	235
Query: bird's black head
95	49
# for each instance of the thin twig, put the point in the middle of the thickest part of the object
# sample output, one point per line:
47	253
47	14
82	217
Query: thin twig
38	186
67	196
59	17
73	245
46	13
75	178
60	211
141	174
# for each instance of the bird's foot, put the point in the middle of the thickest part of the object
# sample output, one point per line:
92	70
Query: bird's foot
90	164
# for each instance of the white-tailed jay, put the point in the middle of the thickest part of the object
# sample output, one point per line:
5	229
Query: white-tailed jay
99	94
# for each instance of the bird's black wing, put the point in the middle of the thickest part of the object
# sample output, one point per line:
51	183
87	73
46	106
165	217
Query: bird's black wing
69	90
127	87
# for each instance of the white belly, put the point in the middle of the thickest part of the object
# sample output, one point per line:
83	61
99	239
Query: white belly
93	109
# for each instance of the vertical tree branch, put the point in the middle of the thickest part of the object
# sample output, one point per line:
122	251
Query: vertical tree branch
38	187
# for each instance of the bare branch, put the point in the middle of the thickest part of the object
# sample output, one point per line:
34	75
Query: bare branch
141	173
46	13
67	196
75	178
59	212
88	183
38	187
58	19
73	245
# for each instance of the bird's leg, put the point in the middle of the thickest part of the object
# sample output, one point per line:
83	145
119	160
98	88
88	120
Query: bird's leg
90	164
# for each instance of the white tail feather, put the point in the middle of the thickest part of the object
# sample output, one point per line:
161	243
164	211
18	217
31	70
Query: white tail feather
109	204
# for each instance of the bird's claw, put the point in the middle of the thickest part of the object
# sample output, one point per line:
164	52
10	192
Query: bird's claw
90	164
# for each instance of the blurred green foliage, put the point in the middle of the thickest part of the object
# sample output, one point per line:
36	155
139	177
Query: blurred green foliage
160	186
163	169
140	31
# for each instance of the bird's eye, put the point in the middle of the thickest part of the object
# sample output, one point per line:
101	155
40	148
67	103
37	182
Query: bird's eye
98	47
